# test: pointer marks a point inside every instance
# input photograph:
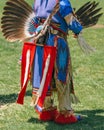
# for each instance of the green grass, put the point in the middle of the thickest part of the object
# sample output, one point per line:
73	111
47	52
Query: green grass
88	72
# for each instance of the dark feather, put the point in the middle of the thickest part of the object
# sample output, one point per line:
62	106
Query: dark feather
9	17
14	9
84	9
13	13
92	21
13	37
11	20
19	4
9	24
11	29
89	14
88	9
94	12
80	10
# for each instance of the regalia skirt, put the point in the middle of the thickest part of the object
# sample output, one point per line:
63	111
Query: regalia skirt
61	73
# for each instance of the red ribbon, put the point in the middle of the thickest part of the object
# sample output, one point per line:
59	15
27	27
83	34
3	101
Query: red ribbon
28	53
52	51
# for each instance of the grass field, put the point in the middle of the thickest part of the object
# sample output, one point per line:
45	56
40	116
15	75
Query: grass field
88	71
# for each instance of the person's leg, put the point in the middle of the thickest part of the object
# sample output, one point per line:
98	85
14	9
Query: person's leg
65	114
47	111
64	84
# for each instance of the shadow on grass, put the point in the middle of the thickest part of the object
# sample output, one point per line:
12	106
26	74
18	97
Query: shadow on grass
11	98
92	120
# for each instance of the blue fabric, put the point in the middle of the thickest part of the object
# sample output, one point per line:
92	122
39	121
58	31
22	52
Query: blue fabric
38	60
50	40
43	8
75	26
37	107
65	8
37	70
62	59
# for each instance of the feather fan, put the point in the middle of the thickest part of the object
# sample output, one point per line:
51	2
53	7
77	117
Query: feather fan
89	14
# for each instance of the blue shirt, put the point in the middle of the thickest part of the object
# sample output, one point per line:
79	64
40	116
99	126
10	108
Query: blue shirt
43	8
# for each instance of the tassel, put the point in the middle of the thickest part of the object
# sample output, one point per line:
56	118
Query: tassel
86	48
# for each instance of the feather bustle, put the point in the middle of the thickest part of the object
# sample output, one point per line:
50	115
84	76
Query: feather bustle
14	21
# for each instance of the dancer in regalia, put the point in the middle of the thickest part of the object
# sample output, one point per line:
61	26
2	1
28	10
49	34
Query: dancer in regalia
46	54
62	78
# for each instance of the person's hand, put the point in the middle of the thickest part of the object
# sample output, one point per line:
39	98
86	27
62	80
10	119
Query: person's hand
76	35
